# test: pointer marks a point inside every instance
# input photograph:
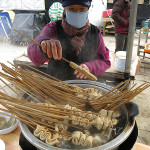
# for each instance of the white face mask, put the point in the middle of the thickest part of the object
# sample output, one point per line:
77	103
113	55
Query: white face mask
77	19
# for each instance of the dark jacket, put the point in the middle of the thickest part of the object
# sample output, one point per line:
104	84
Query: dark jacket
121	14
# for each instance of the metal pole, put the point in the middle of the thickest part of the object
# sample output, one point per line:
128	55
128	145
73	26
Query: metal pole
132	24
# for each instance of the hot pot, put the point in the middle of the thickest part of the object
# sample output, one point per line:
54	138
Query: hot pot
113	144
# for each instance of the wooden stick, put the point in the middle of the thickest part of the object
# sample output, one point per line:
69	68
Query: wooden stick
59	81
37	113
13	90
25	121
29	83
113	90
32	122
128	99
36	42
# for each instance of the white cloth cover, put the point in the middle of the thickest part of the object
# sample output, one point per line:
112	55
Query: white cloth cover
22	4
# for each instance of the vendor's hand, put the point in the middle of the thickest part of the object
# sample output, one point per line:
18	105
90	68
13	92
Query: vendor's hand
133	111
52	48
80	75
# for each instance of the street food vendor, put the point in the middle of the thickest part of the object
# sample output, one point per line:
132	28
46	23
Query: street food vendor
75	39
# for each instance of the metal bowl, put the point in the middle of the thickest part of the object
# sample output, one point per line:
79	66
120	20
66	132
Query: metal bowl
113	144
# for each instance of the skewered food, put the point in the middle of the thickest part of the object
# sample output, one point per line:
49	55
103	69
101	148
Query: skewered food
109	113
50	89
83	71
77	120
45	135
61	126
89	94
99	122
78	138
52	141
65	112
104	123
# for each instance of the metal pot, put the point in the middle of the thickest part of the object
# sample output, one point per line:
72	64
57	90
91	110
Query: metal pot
113	144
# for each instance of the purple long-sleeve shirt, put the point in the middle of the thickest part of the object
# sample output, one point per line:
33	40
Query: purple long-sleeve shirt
96	67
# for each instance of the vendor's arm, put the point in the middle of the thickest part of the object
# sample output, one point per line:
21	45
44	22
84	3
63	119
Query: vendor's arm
99	66
35	53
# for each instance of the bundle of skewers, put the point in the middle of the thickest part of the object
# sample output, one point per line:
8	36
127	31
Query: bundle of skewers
47	88
118	96
51	90
53	124
58	110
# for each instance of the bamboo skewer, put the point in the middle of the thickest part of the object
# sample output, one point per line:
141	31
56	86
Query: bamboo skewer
55	79
47	108
13	90
36	43
38	113
132	86
119	99
33	114
32	122
110	92
132	96
20	87
59	93
40	76
29	85
62	83
25	121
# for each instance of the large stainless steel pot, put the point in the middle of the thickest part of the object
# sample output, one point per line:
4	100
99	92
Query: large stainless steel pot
113	144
